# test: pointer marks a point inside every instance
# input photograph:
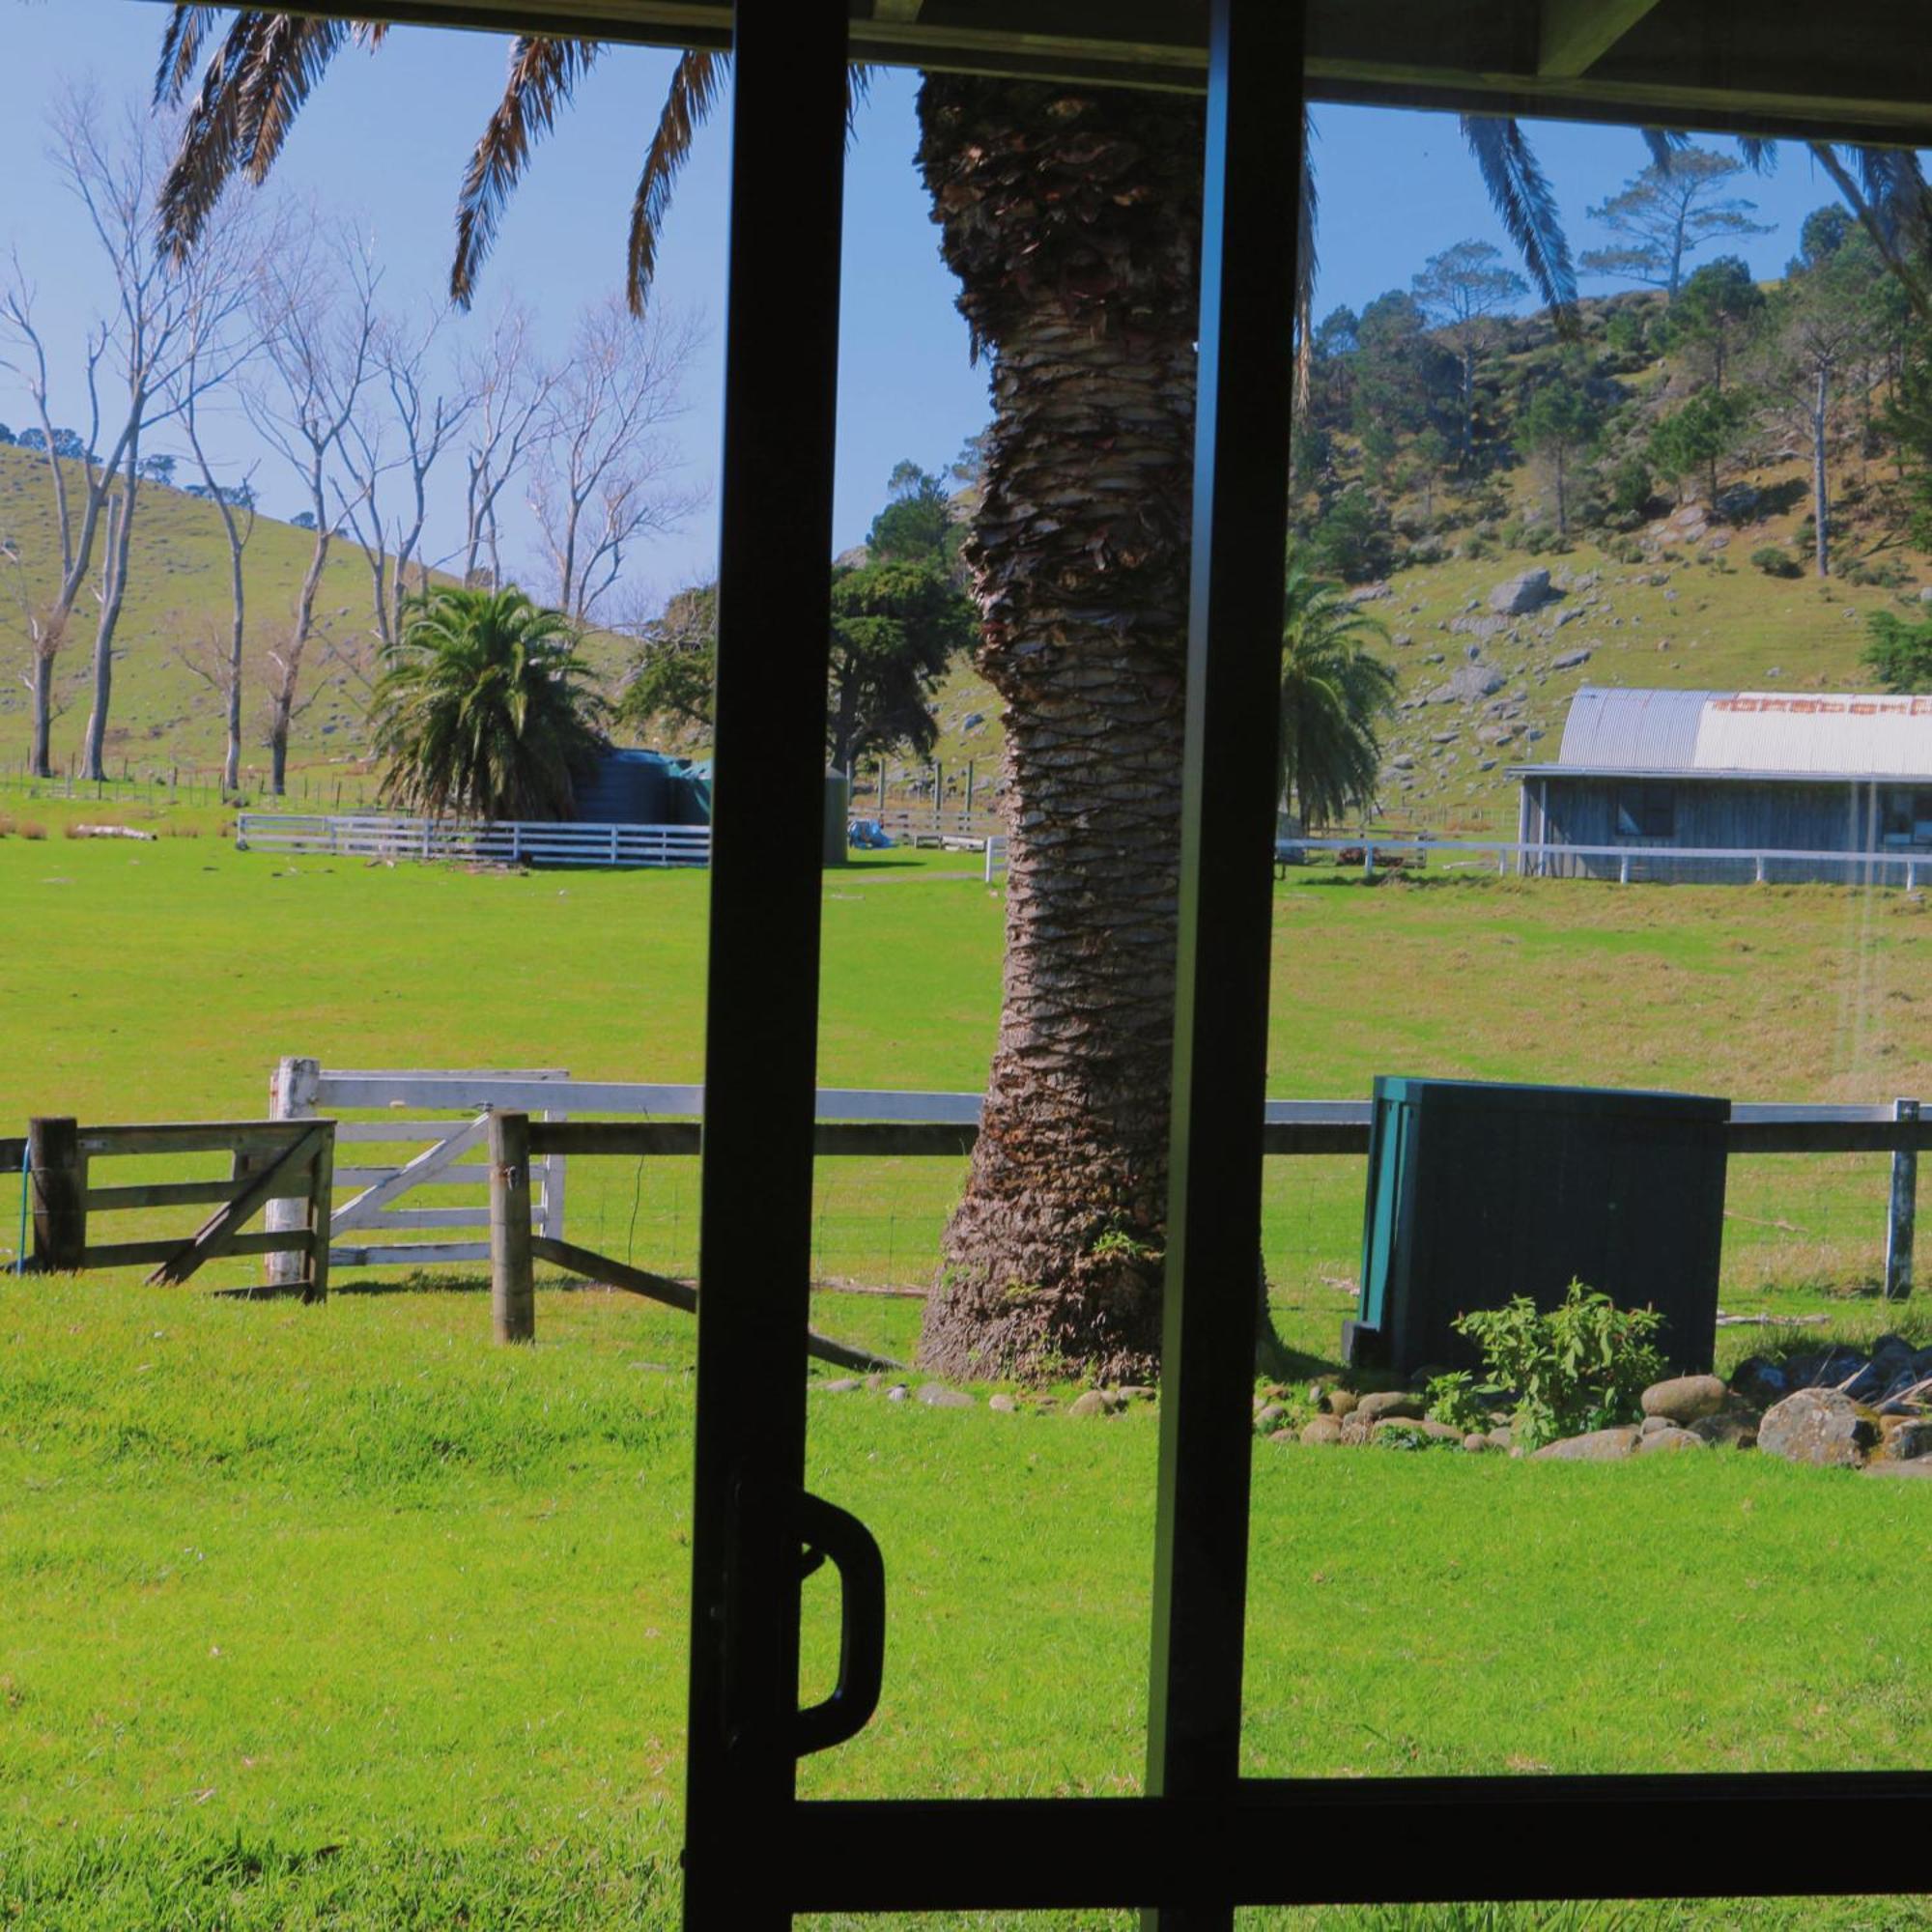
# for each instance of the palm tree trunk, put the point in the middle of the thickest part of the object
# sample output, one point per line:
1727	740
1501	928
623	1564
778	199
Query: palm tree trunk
1073	220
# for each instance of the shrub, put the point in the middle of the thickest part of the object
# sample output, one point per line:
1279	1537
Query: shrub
1774	562
1456	1400
26	830
1578	1368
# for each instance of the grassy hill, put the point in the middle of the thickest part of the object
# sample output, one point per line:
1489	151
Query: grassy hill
1667	595
177	599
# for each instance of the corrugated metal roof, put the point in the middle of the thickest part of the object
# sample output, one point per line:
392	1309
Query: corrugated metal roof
1634	730
1827	734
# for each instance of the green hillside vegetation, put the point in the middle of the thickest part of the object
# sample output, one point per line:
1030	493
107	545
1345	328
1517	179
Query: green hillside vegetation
163	714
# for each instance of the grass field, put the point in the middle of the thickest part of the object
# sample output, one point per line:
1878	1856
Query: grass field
340	1617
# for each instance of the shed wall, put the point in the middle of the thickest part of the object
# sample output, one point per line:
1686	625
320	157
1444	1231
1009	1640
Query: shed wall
1837	817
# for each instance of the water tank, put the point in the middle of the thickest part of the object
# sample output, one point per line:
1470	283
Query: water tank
628	788
1479	1193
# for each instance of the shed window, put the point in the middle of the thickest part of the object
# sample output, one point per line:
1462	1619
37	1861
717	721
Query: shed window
1646	811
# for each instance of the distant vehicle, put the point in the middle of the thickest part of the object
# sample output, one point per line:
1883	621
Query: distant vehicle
868	834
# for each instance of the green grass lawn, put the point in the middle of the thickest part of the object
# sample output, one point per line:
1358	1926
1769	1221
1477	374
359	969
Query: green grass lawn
339	1616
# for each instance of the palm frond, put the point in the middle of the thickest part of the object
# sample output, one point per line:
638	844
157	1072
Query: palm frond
182	41
255	83
1894	185
693	93
1523	197
1663	144
1760	155
543	74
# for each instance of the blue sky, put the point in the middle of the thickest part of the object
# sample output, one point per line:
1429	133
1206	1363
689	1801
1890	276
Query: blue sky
388	136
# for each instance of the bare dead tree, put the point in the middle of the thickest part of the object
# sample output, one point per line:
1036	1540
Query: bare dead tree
511	386
156	310
601	471
406	411
318	321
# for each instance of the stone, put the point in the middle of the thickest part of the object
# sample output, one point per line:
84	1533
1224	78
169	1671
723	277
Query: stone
1325	1430
1758	1381
1684	1399
1911	1440
1651	1423
1570	660
1734	1428
1501	1437
1480	1445
1002	1403
1342	1402
1522	594
1819	1426
1600	1445
1386	1404
936	1395
1670	1436
1092	1402
1400	1426
1466	685
1136	1392
1268	1417
838	1386
1283	1436
898	1392
1355	1430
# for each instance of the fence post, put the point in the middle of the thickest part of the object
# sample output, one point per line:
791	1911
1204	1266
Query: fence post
513	1304
1900	1226
1760	869
292	1096
1368	859
553	1185
319	1207
57	1187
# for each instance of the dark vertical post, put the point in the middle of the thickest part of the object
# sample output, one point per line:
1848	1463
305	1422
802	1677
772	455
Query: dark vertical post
57	1187
754	1234
513	1299
321	1205
1900	1225
1249	222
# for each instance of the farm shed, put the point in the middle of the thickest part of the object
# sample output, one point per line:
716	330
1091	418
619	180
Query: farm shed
1696	772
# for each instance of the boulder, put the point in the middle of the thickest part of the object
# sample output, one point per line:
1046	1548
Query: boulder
1600	1445
1684	1399
1908	1439
1570	660
1003	1405
1466	685
1819	1426
1670	1436
1522	594
936	1395
1386	1404
1342	1402
1092	1402
1400	1428
1759	1381
1325	1430
1270	1416
1733	1427
1480	1445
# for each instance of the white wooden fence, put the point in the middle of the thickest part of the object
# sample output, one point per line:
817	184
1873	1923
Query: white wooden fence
1543	859
503	842
364	1229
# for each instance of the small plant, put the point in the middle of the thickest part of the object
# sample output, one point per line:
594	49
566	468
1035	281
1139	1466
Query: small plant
1578	1368
28	830
1459	1400
1774	562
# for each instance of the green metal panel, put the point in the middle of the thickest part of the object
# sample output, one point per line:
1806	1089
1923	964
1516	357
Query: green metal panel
1479	1192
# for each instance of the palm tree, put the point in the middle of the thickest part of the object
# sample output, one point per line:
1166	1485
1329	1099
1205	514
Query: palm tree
1070	214
483	709
1334	693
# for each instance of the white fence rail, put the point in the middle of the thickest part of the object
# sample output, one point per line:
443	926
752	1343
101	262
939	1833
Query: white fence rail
506	842
365	1226
1540	860
996	857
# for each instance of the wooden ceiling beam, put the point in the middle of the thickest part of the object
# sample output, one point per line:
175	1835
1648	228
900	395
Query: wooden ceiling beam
1575	35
